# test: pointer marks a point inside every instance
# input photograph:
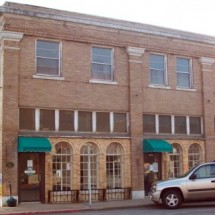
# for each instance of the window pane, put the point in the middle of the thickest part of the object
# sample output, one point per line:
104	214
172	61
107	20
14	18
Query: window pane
149	123
183	72
157	69
195	125
164	124
102	63
183	80
157	77
84	121
47	120
101	71
48	58
180	125
102	122
27	118
120	123
66	121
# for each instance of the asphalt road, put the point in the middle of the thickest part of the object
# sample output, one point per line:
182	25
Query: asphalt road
186	209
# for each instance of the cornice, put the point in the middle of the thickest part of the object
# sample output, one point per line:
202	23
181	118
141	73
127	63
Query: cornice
10	35
65	16
207	61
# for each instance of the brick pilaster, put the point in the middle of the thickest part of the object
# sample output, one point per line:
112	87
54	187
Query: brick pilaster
136	122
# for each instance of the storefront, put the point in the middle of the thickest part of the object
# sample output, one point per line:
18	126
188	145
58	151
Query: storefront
31	166
153	157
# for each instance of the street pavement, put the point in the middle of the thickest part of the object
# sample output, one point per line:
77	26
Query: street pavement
39	208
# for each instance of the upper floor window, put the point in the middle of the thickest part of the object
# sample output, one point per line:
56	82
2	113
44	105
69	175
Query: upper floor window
27	118
169	124
195	125
149	125
183	72
102	64
157	69
85	121
66	120
102	122
48	58
164	124
180	125
47	120
120	123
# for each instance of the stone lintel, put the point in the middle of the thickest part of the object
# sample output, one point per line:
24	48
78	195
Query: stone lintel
135	51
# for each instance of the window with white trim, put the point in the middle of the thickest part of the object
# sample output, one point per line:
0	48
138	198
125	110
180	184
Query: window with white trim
61	162
194	155
114	165
89	166
47	58
157	69
183	72
170	124
175	161
102	64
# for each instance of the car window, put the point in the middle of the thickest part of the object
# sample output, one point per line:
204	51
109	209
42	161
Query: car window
207	171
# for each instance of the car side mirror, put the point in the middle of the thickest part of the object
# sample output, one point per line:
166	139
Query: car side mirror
193	176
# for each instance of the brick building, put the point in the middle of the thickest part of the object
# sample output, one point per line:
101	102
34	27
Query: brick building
91	104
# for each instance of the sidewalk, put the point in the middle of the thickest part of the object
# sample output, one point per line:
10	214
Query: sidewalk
38	208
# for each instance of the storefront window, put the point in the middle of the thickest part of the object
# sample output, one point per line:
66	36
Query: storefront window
61	162
114	166
89	166
194	155
175	161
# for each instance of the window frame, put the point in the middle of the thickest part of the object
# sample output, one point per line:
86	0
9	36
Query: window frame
60	173
182	72
91	159
176	160
114	166
41	75
101	80
195	155
165	78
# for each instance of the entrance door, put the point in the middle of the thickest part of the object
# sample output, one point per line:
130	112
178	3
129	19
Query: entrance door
31	177
152	169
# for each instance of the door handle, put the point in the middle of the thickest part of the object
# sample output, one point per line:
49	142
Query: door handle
213	181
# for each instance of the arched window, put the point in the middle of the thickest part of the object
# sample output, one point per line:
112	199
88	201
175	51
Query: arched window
175	161
194	155
114	165
61	162
89	166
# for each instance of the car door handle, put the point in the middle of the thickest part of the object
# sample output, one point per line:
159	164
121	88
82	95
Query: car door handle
213	181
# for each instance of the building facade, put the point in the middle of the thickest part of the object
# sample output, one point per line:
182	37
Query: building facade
92	105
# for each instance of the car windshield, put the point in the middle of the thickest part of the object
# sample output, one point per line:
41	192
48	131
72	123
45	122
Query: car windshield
188	172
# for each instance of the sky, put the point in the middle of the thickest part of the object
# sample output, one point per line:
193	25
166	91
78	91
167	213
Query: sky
197	16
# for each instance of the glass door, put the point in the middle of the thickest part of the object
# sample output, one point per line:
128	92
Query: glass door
31	177
152	169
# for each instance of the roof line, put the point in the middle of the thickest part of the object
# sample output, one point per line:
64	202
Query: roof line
15	8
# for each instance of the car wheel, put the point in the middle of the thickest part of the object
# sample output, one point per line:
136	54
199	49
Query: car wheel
172	199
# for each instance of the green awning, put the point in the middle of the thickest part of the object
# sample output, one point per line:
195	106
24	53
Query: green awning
34	144
156	145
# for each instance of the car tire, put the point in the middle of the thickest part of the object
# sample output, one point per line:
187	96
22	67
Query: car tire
172	199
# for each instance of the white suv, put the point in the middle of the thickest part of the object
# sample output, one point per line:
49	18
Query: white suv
198	184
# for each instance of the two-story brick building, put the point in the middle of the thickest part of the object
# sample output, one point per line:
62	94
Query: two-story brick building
100	106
